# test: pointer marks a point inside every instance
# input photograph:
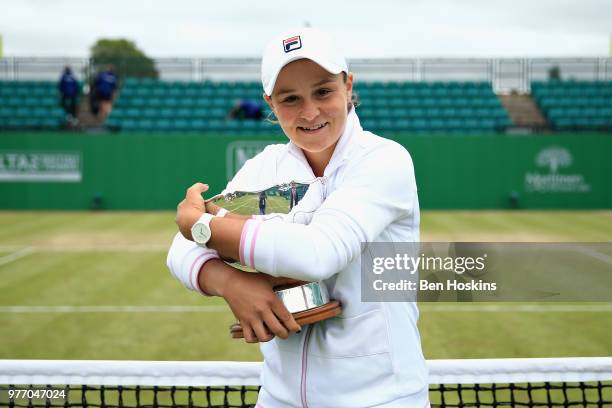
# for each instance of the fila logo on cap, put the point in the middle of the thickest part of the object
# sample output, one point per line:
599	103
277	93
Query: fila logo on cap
293	43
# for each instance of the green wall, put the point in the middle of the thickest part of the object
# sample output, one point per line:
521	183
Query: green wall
152	171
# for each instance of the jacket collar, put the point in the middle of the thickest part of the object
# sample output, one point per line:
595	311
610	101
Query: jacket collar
343	148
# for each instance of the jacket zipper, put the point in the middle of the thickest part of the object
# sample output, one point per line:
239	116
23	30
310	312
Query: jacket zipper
308	331
324	185
305	367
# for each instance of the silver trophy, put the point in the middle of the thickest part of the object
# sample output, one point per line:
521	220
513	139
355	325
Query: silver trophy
309	302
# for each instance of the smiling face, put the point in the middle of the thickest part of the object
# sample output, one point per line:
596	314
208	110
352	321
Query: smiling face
311	106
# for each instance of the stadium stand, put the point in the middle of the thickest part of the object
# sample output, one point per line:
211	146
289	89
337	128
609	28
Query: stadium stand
407	107
30	105
431	107
575	105
146	105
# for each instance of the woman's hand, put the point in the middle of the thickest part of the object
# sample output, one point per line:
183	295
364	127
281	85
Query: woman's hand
261	313
191	209
281	281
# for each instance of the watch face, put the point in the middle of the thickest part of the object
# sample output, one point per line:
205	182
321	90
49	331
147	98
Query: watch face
201	233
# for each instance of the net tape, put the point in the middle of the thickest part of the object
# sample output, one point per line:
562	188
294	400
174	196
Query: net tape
565	382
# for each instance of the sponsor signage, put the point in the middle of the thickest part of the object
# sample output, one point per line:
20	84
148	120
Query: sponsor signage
37	166
556	176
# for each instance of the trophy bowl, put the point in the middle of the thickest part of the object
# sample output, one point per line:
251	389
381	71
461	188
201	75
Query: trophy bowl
309	302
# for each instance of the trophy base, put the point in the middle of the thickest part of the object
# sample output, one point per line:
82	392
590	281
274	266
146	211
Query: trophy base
309	316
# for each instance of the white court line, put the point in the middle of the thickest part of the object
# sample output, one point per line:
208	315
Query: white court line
23	252
596	254
113	309
459	308
509	307
87	248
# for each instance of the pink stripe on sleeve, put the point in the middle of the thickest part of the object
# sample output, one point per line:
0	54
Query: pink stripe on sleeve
243	236
253	242
194	271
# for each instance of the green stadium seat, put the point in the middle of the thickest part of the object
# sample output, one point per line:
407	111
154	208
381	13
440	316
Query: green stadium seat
182	113
23	112
369	124
216	125
437	124
441	92
146	125
217	113
363	93
198	124
200	112
402	124
165	112
39	112
416	112
419	125
232	125
396	102
380	102
400	112
488	124
189	92
221	102
503	122
170	102
189	102
6	111
159	92
365	112
410	92
378	93
394	92
163	125
430	102
202	101
383	113
433	112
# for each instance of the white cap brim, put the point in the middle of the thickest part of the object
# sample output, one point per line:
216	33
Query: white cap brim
314	45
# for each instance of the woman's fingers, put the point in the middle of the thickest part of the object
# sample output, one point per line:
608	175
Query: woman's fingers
274	325
249	337
195	191
191	208
261	313
262	333
284	316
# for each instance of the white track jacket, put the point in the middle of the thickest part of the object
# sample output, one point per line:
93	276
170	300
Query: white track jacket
370	355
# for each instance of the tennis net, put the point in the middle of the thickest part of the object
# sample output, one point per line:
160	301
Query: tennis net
563	382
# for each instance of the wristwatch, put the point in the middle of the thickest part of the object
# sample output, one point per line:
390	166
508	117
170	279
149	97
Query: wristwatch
200	231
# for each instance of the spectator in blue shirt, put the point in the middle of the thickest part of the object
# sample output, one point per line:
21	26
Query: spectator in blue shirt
104	88
246	109
69	94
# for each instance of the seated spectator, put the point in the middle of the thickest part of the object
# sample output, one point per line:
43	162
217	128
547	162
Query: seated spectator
104	88
69	93
246	109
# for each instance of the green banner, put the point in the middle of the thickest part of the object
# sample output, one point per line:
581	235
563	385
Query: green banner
145	172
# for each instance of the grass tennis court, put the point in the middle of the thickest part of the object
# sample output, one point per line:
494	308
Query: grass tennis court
81	285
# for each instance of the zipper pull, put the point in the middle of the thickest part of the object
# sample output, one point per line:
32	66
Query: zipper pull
324	186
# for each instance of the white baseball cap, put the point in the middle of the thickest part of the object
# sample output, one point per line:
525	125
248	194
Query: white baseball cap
301	43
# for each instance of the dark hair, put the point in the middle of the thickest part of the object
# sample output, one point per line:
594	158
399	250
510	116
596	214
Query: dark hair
354	102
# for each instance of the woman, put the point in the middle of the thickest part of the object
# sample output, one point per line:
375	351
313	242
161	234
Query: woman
370	355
